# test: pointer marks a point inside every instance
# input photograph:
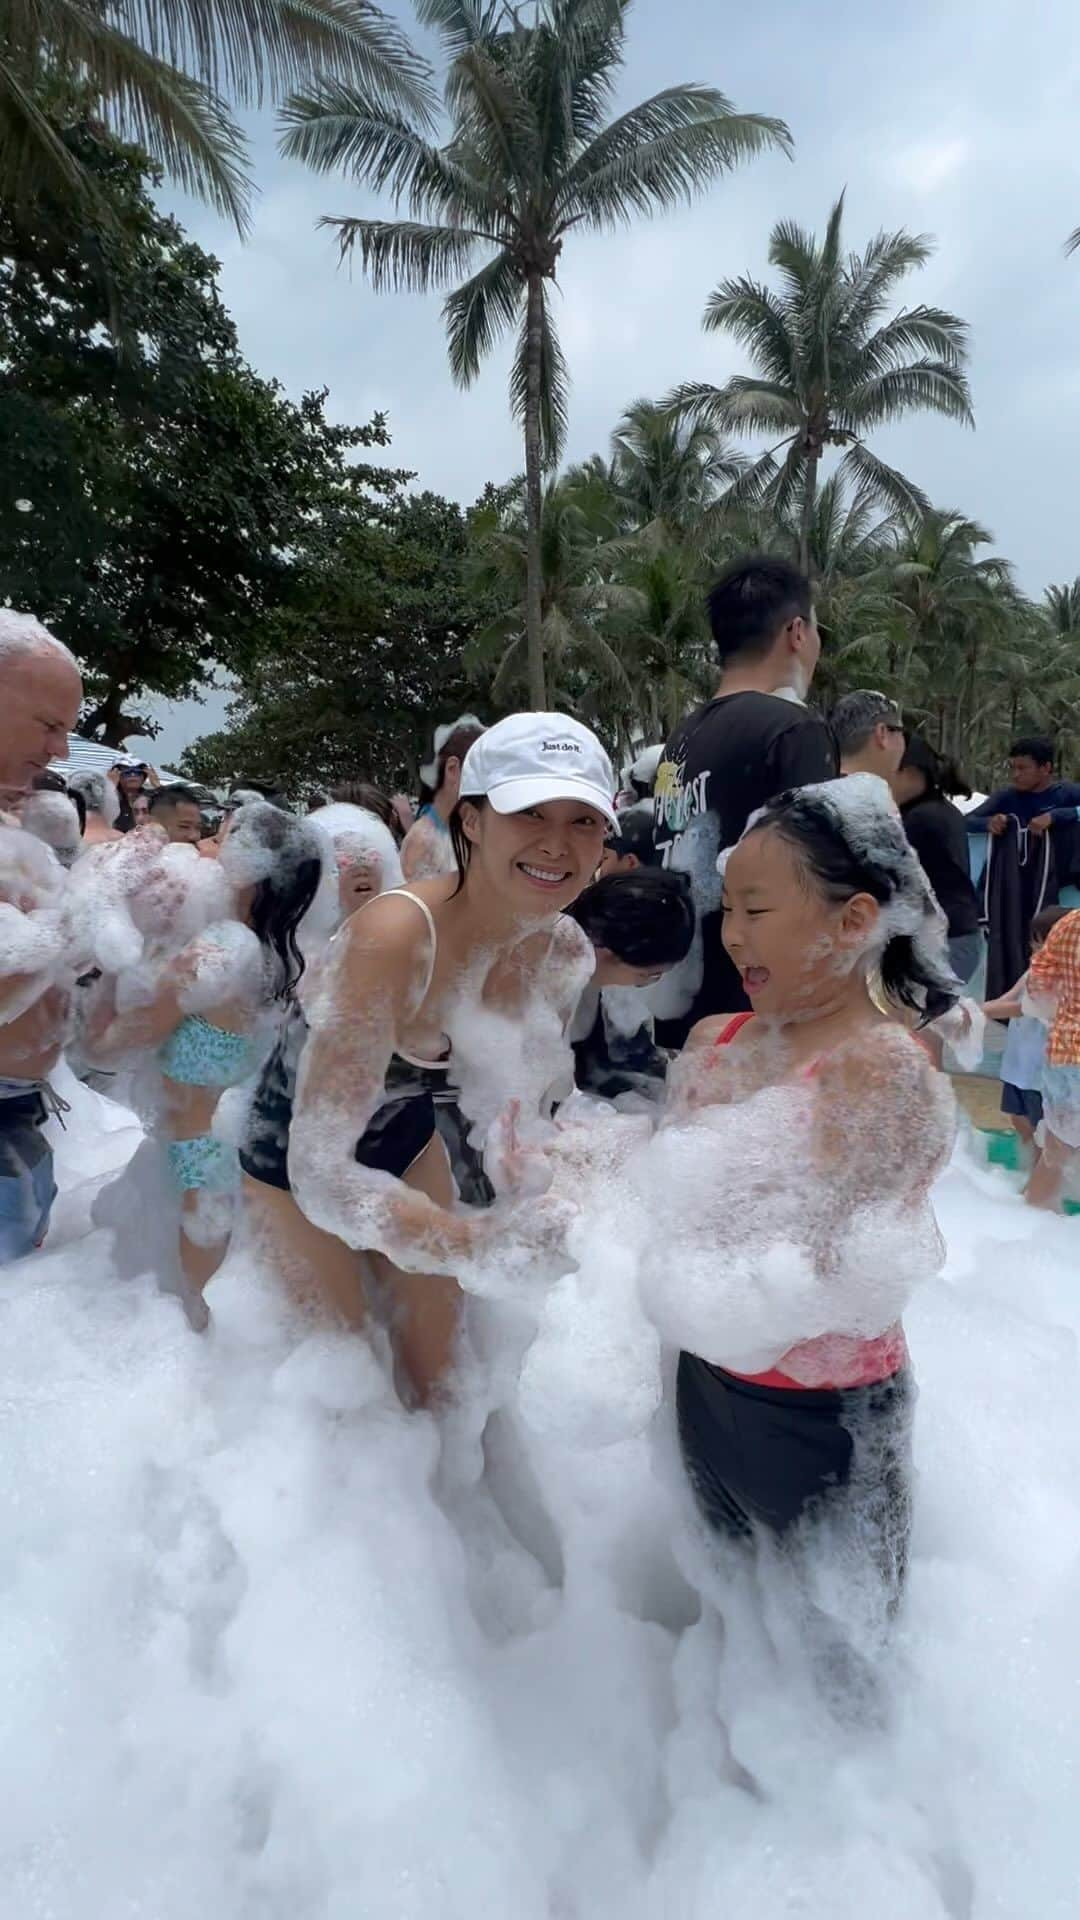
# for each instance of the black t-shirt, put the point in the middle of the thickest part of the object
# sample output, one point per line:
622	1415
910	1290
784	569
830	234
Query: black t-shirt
721	764
937	832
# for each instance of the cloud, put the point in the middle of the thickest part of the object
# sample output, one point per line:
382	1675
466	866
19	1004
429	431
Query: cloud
928	164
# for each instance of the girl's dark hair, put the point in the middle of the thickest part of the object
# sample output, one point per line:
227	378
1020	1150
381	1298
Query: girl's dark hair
943	777
1044	920
361	793
646	918
282	899
844	859
276	913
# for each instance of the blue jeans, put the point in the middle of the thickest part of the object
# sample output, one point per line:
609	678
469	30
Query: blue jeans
27	1187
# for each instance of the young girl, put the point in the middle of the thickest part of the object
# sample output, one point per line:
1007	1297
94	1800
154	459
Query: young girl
1025	1048
1053	988
203	1016
345	1151
842	1127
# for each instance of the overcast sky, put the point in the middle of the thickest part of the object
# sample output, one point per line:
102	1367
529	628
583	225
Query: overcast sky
959	121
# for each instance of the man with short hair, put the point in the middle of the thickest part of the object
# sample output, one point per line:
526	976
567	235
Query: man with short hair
752	740
1034	798
177	809
42	690
869	731
1033	855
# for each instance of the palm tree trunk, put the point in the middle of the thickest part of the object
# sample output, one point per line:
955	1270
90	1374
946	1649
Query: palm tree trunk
806	520
534	612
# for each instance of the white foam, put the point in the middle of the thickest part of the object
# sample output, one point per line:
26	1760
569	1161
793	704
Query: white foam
263	1654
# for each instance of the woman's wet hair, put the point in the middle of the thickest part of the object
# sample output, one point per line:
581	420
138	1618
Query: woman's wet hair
286	892
943	777
645	918
459	839
847	841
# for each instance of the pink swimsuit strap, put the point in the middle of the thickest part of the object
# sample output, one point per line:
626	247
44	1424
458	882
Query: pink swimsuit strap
737	1023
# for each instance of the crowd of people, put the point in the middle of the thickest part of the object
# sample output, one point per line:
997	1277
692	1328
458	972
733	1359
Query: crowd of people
395	1057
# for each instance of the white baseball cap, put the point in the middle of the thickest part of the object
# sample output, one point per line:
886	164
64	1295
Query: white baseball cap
533	757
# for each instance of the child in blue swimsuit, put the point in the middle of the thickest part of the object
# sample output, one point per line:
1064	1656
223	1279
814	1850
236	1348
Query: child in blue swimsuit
203	1017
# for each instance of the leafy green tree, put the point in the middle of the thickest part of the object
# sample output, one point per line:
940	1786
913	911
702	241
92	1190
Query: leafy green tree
830	366
154	500
158	72
534	154
356	672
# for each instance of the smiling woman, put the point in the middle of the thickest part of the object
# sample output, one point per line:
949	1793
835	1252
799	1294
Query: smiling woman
357	1141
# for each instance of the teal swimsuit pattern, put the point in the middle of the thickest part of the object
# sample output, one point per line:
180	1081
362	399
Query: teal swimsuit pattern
198	1054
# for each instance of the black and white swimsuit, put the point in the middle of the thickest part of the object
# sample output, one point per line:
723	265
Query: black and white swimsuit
419	1100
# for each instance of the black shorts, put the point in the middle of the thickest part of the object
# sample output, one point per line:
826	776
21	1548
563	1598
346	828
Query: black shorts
769	1456
1023	1102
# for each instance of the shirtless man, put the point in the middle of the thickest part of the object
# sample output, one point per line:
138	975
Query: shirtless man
41	690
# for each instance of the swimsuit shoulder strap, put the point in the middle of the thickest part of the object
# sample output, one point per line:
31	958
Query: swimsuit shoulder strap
403	893
734	1026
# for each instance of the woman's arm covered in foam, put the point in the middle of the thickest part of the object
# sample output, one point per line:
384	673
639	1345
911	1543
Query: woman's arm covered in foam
370	984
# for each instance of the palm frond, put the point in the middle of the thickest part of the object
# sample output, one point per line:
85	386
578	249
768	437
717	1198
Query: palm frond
478	313
932	385
871	276
460	23
404	255
663	150
579	57
494	115
792	249
336	125
885	483
180	123
753	315
928	331
1072	244
256	48
747	405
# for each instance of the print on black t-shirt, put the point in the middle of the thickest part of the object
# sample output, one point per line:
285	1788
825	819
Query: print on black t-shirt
721	765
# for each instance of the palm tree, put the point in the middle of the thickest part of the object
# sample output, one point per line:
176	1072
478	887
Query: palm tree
830	367
1063	608
850	541
665	641
158	71
670	471
964	616
580	554
533	155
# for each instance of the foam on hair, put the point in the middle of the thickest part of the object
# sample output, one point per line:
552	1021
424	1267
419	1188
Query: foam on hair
22	633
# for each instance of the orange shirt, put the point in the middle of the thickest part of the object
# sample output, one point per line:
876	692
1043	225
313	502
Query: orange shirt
1056	969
